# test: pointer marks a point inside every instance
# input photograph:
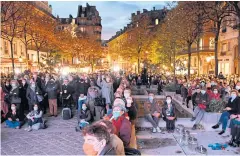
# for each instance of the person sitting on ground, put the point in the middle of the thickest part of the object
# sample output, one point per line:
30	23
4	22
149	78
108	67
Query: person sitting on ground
35	117
231	108
152	112
169	114
122	124
202	100
81	100
13	118
97	141
115	141
84	117
235	129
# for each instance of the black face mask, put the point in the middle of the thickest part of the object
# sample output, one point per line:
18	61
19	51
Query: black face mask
209	88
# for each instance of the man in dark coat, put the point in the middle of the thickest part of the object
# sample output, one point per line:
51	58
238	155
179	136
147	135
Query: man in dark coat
51	90
66	92
23	91
116	82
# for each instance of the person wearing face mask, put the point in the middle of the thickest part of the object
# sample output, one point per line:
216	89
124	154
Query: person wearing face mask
7	87
13	118
97	141
169	114
35	117
107	90
194	96
14	95
84	117
152	112
51	90
131	110
202	101
23	91
238	88
232	107
66	92
122	124
32	92
115	141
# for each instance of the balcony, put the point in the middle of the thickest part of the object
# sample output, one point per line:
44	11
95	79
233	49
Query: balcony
194	50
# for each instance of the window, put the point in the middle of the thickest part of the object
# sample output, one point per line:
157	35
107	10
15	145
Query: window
6	47
229	46
15	48
224	47
201	44
156	21
211	43
21	48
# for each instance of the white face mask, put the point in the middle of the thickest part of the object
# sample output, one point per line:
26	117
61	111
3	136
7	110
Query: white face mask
13	108
215	91
238	87
35	108
126	95
168	101
129	101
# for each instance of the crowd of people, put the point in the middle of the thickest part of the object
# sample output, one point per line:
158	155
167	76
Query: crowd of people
105	110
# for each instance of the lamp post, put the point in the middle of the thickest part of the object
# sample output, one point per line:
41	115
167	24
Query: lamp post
20	60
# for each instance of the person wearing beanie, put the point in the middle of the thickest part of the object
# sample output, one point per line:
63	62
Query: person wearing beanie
122	124
233	107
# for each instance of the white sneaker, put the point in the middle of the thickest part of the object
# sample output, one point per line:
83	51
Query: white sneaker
159	130
154	130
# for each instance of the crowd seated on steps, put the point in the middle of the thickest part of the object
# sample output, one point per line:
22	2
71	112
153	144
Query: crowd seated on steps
107	96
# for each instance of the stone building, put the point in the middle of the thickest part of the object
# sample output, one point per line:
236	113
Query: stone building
19	54
154	16
87	22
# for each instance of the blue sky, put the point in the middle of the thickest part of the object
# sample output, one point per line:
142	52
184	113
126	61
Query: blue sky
115	14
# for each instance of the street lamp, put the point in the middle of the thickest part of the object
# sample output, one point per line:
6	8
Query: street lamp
20	60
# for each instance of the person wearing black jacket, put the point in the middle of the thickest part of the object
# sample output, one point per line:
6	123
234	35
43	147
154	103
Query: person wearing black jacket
13	118
23	91
232	107
169	114
84	117
37	80
7	87
13	95
51	90
116	82
33	95
66	92
81	88
44	93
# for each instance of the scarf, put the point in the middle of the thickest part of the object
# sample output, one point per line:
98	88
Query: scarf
118	123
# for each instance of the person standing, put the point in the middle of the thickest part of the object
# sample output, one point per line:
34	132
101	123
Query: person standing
66	92
51	90
32	92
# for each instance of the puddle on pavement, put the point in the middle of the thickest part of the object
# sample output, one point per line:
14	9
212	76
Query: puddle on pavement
154	143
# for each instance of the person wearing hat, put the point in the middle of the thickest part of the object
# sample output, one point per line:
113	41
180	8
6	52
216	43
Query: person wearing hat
122	124
201	101
232	108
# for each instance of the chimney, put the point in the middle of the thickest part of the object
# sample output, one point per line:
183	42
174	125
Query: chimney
153	8
138	12
144	10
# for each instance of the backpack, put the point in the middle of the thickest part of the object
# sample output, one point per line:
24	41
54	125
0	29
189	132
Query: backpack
66	113
132	151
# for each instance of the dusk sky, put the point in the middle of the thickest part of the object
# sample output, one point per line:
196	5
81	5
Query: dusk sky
115	14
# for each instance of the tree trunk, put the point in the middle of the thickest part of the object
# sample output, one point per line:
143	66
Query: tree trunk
238	52
13	68
38	56
26	53
198	52
189	60
174	62
216	55
138	62
216	48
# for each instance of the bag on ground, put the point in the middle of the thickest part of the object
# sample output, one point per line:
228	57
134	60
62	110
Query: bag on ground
66	113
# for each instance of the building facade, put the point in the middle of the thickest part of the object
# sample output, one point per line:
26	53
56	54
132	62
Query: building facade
154	18
87	22
19	53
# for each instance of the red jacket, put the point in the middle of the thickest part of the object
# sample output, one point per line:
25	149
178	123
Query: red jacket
123	129
214	96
